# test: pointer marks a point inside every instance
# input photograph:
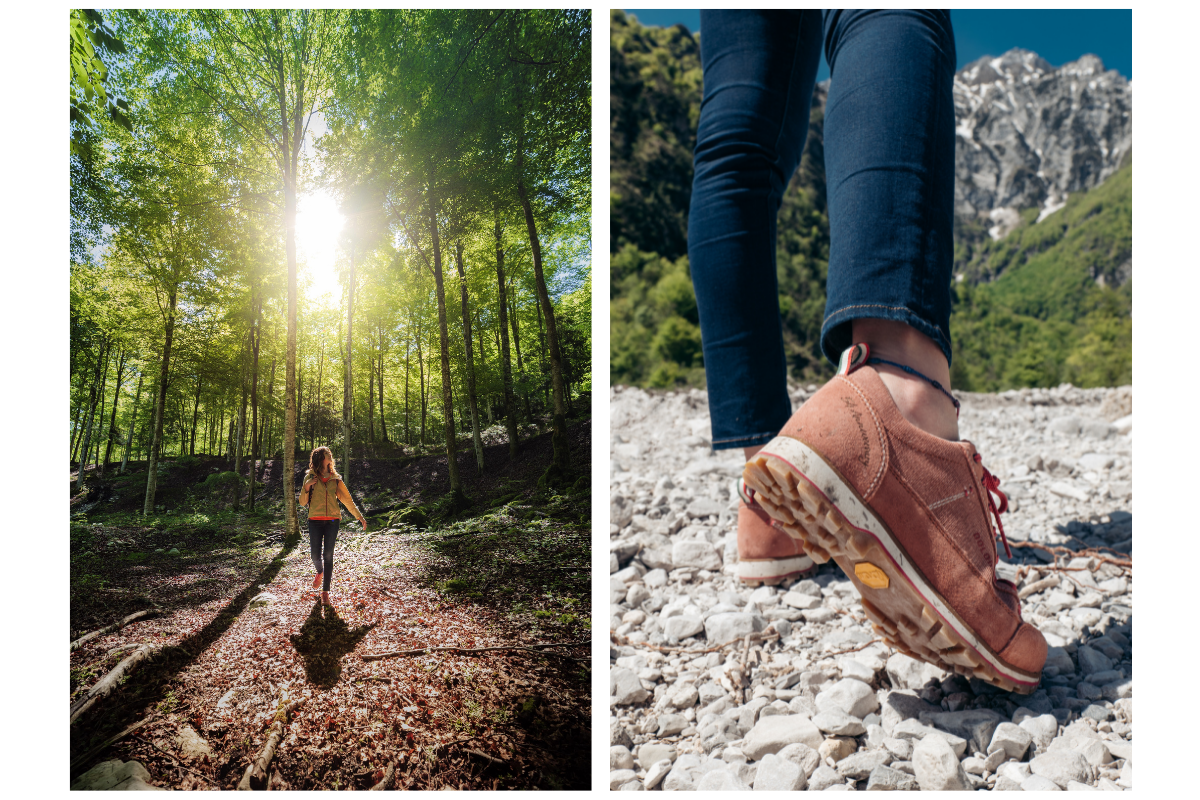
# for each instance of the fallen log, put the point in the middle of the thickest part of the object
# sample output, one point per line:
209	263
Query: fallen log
532	648
387	778
106	684
256	773
87	637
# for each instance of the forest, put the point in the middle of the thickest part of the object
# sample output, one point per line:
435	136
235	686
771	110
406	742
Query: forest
368	230
1049	303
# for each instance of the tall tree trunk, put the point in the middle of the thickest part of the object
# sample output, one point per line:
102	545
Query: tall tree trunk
160	405
299	391
371	403
510	415
542	357
93	397
421	378
466	318
444	336
382	350
517	343
407	352
562	453
195	414
77	420
271	390
112	422
132	416
97	419
252	468
238	449
317	401
291	142
348	389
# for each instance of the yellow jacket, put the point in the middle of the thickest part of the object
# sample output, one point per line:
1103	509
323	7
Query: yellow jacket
321	495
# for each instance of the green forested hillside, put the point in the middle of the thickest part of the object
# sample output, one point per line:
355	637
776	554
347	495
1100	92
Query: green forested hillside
1059	307
1048	303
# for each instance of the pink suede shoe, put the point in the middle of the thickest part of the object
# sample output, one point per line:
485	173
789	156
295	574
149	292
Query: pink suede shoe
909	518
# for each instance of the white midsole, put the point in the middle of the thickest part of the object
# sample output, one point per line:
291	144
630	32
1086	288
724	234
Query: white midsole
773	568
811	466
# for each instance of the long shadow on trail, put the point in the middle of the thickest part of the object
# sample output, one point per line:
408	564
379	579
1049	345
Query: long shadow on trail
146	685
322	641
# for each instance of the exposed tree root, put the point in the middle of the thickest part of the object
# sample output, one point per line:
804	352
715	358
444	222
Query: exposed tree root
256	773
106	684
87	637
177	762
83	759
532	648
484	755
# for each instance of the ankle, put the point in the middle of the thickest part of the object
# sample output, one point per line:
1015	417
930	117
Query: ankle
923	405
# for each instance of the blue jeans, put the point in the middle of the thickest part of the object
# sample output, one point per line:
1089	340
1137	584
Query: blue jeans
889	167
322	534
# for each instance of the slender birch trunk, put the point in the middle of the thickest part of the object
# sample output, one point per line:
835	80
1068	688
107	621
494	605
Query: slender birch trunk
444	337
160	404
466	318
132	417
505	359
348	389
562	453
112	422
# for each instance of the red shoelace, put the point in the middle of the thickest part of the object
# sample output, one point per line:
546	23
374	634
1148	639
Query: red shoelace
992	484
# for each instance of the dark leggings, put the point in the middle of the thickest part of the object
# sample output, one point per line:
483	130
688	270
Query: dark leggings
323	531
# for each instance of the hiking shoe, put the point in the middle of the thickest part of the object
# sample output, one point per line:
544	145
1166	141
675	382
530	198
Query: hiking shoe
766	554
908	517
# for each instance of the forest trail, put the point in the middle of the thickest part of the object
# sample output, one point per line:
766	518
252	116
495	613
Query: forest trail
241	633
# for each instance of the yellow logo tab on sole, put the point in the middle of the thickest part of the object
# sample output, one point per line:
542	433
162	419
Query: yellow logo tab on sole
871	575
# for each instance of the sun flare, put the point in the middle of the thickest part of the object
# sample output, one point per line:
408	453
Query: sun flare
318	223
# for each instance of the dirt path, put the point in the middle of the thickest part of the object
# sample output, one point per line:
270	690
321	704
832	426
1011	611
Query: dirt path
444	720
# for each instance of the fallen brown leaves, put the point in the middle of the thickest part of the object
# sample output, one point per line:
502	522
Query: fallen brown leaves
496	719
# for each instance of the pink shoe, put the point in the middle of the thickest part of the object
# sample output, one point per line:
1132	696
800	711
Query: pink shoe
908	517
766	554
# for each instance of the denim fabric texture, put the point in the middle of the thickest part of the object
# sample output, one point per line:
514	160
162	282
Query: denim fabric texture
322	535
889	167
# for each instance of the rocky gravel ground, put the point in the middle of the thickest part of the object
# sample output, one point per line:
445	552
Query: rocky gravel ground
715	685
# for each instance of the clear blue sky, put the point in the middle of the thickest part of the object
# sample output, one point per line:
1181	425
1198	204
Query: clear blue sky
1057	36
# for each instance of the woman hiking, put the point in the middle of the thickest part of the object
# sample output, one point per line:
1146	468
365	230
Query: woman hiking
322	488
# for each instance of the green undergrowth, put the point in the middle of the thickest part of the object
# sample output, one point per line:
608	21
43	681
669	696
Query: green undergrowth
532	558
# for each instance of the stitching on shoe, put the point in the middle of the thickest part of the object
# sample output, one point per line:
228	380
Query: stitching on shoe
965	558
947	500
883	459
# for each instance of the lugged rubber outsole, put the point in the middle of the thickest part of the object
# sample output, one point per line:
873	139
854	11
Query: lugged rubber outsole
901	616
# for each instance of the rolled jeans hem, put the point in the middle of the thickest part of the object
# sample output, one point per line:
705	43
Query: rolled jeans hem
836	335
752	440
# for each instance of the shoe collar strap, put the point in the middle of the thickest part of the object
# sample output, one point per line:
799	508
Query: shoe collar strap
853	357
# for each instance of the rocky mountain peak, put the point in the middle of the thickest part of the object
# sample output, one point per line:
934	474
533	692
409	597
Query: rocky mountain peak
1030	133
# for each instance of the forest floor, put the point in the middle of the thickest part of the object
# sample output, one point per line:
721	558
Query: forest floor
240	632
